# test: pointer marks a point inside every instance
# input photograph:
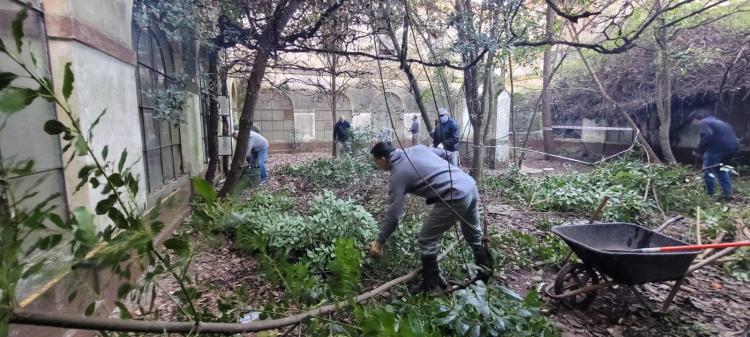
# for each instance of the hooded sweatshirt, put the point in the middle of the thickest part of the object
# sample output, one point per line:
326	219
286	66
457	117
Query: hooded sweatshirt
449	181
716	136
255	143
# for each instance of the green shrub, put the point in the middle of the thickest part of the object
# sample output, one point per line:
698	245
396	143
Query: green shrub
333	172
345	267
305	237
635	190
478	310
527	248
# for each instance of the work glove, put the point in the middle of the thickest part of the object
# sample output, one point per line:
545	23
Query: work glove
376	249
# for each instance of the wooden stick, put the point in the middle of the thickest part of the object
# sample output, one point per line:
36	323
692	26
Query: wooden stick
710	259
698	225
45	318
598	210
705	253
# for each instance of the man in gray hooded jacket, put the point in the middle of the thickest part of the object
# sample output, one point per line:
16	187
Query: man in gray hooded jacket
428	173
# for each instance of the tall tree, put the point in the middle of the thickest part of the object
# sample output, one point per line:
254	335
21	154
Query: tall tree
265	36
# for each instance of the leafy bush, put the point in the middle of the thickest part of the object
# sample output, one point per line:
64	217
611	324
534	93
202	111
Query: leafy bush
493	311
739	268
345	267
306	237
333	172
527	248
634	189
478	310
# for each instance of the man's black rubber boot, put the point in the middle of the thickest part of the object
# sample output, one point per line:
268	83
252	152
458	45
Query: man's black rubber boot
483	259
431	279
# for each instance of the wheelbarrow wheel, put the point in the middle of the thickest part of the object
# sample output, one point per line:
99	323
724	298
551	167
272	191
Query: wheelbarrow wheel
575	276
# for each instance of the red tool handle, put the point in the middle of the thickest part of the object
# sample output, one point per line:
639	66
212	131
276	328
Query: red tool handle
696	247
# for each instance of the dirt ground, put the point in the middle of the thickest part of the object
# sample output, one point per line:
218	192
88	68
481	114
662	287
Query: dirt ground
711	303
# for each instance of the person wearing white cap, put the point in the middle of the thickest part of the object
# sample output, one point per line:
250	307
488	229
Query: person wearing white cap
446	134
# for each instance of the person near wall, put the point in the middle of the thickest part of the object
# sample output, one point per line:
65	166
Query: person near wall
257	152
414	129
718	144
341	134
421	171
446	134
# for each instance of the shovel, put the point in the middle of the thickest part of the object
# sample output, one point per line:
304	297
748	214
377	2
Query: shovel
682	248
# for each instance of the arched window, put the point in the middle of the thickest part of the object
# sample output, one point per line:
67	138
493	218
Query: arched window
162	152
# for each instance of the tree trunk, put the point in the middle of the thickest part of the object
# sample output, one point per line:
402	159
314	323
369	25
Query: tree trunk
471	92
246	120
268	42
416	91
546	94
664	94
334	61
212	124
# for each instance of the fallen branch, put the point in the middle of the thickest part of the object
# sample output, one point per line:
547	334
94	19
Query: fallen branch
705	253
43	318
710	259
669	222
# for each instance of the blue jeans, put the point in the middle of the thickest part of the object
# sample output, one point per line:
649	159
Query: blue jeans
258	159
711	161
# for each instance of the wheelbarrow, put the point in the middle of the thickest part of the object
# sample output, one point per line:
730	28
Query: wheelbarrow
610	256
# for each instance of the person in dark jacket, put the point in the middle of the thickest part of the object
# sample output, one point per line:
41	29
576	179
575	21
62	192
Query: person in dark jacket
718	144
446	134
422	171
341	134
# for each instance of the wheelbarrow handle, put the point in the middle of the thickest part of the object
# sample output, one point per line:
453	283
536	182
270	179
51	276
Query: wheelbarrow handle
689	247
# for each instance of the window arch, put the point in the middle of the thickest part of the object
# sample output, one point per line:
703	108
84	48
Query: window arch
162	150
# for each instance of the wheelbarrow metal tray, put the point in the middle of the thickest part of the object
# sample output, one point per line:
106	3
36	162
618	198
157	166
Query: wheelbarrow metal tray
604	246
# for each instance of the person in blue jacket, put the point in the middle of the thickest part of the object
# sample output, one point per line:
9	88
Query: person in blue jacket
446	134
718	144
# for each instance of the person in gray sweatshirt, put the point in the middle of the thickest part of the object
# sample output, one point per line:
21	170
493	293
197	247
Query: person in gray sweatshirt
257	152
428	173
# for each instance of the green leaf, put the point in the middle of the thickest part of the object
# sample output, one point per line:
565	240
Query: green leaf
26	169
105	152
13	99
123	157
204	189
103	206
81	146
72	296
180	247
54	127
116	216
4	50
58	221
132	184
68	80
156	226
116	180
49	242
17	27
124	312
90	309
86	231
35	268
124	290
6	78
